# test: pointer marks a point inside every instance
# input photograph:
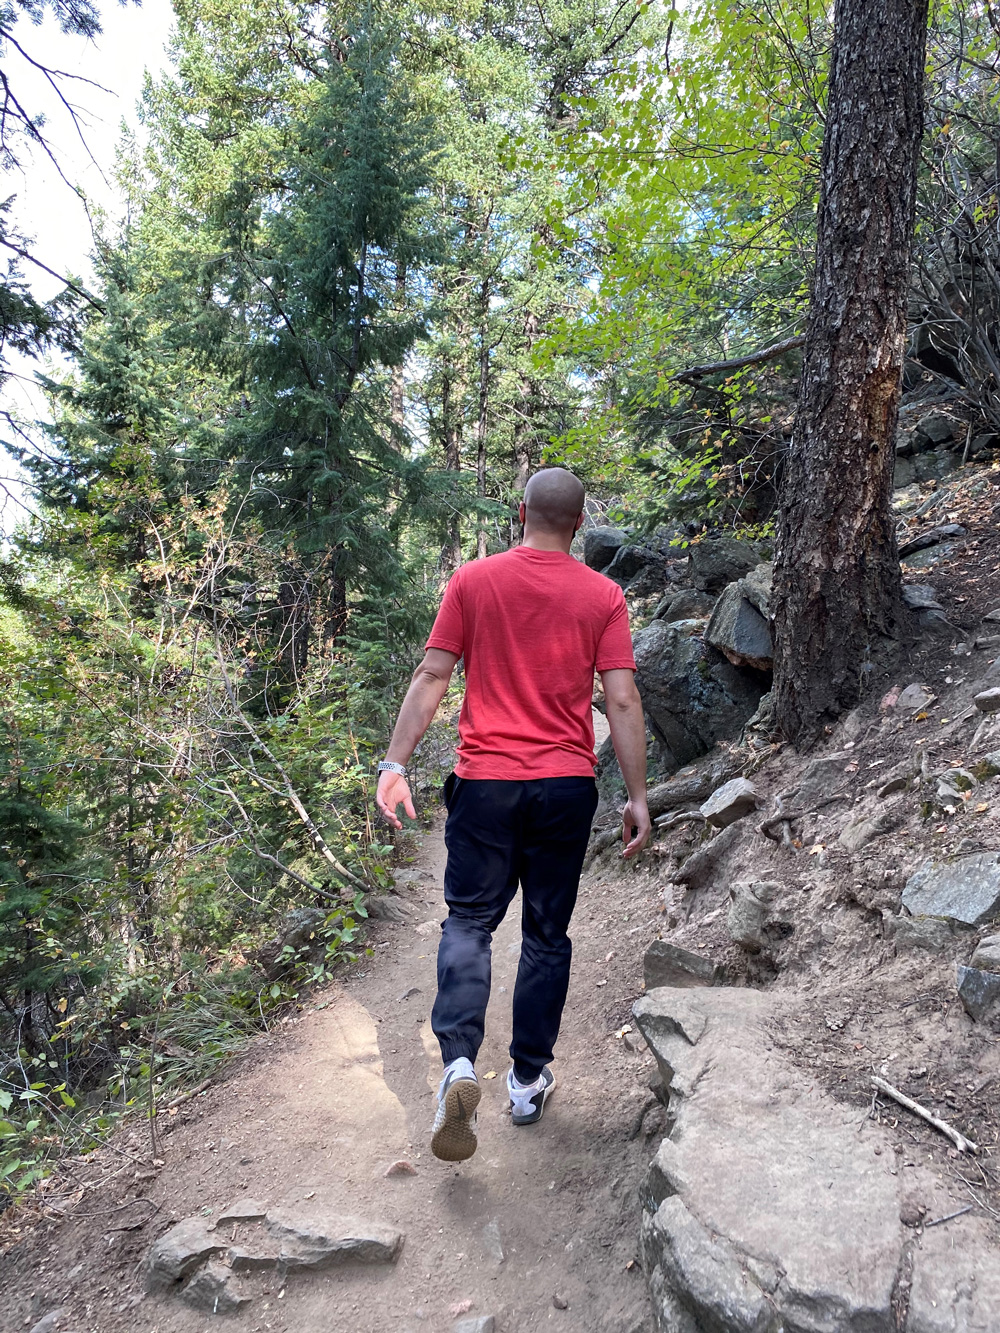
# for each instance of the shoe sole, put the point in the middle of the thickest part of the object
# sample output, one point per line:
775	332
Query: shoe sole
456	1140
535	1116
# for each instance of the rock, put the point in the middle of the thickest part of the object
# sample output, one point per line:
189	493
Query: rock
384	907
904	473
241	1210
688	605
560	1302
824	777
179	1251
700	866
987	954
601	545
912	1212
49	1322
914	699
912	934
952	1288
993	615
716	561
310	1240
691	695
739	630
492	1243
401	1168
979	991
988	766
630	560
427	929
748	912
757	588
921	596
733	800
765	1209
211	1290
966	891
955	783
484	1323
938	427
296	933
988	701
858	833
666	964
934	537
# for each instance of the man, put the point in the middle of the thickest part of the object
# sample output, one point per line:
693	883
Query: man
533	624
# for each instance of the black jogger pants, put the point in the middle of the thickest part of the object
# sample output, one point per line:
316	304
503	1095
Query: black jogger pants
499	834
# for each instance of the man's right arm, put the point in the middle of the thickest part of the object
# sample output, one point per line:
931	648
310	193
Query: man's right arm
628	736
427	689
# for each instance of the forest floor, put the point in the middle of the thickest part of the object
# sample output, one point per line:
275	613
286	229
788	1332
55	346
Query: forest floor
319	1109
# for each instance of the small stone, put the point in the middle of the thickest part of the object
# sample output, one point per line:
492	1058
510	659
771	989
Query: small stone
733	800
485	1323
666	964
987	955
953	783
979	991
892	786
912	1212
210	1290
49	1322
409	994
921	597
919	933
492	1243
401	1168
428	928
307	1241
993	615
748	912
988	701
560	1302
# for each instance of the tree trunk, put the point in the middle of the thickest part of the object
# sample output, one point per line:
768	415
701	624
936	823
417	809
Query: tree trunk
525	446
397	433
837	584
482	421
452	395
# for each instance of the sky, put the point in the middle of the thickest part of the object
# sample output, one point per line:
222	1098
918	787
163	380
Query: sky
46	210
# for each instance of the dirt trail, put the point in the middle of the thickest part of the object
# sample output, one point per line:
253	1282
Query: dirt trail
321	1107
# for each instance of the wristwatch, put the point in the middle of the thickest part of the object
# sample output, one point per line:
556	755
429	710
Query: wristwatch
387	766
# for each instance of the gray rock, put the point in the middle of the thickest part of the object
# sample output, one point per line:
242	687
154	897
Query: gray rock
953	1287
716	561
484	1323
939	427
700	866
757	587
734	800
966	891
954	783
858	833
916	934
930	557
987	955
921	596
49	1322
211	1289
692	696
687	605
241	1210
766	1209
179	1251
309	1240
749	908
904	473
979	991
601	545
630	560
944	532
492	1242
988	701
666	964
914	699
739	630
825	777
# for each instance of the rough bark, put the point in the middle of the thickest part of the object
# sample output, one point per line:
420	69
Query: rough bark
837	574
482	420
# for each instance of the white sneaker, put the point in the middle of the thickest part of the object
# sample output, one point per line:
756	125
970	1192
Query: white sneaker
453	1138
527	1100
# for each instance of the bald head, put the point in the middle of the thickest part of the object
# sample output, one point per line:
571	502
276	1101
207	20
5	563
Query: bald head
553	501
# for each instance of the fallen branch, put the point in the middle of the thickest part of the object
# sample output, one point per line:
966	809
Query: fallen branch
184	1097
958	1139
672	821
737	363
959	1212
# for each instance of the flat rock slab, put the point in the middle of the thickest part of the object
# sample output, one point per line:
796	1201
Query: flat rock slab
739	630
179	1252
966	891
988	701
666	964
979	992
987	955
307	1241
765	1209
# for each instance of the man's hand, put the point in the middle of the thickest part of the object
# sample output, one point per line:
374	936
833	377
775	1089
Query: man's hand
636	828
394	789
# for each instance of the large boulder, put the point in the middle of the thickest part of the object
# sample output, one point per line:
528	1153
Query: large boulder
717	561
692	696
966	891
631	560
689	604
739	631
601	545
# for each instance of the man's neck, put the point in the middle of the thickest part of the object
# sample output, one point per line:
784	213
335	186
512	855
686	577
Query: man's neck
548	541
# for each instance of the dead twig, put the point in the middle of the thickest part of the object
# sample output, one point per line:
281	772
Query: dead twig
959	1212
185	1096
673	821
958	1139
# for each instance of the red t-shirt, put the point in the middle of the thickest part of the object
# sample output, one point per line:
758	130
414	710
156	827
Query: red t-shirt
533	627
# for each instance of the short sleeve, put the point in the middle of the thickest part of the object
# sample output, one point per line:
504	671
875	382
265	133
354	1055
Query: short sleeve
614	648
448	631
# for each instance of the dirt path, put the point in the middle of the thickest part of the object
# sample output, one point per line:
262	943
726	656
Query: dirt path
321	1108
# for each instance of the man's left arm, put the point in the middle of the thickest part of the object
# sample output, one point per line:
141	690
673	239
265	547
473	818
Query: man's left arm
427	689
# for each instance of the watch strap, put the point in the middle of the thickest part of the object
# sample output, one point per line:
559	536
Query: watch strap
387	766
